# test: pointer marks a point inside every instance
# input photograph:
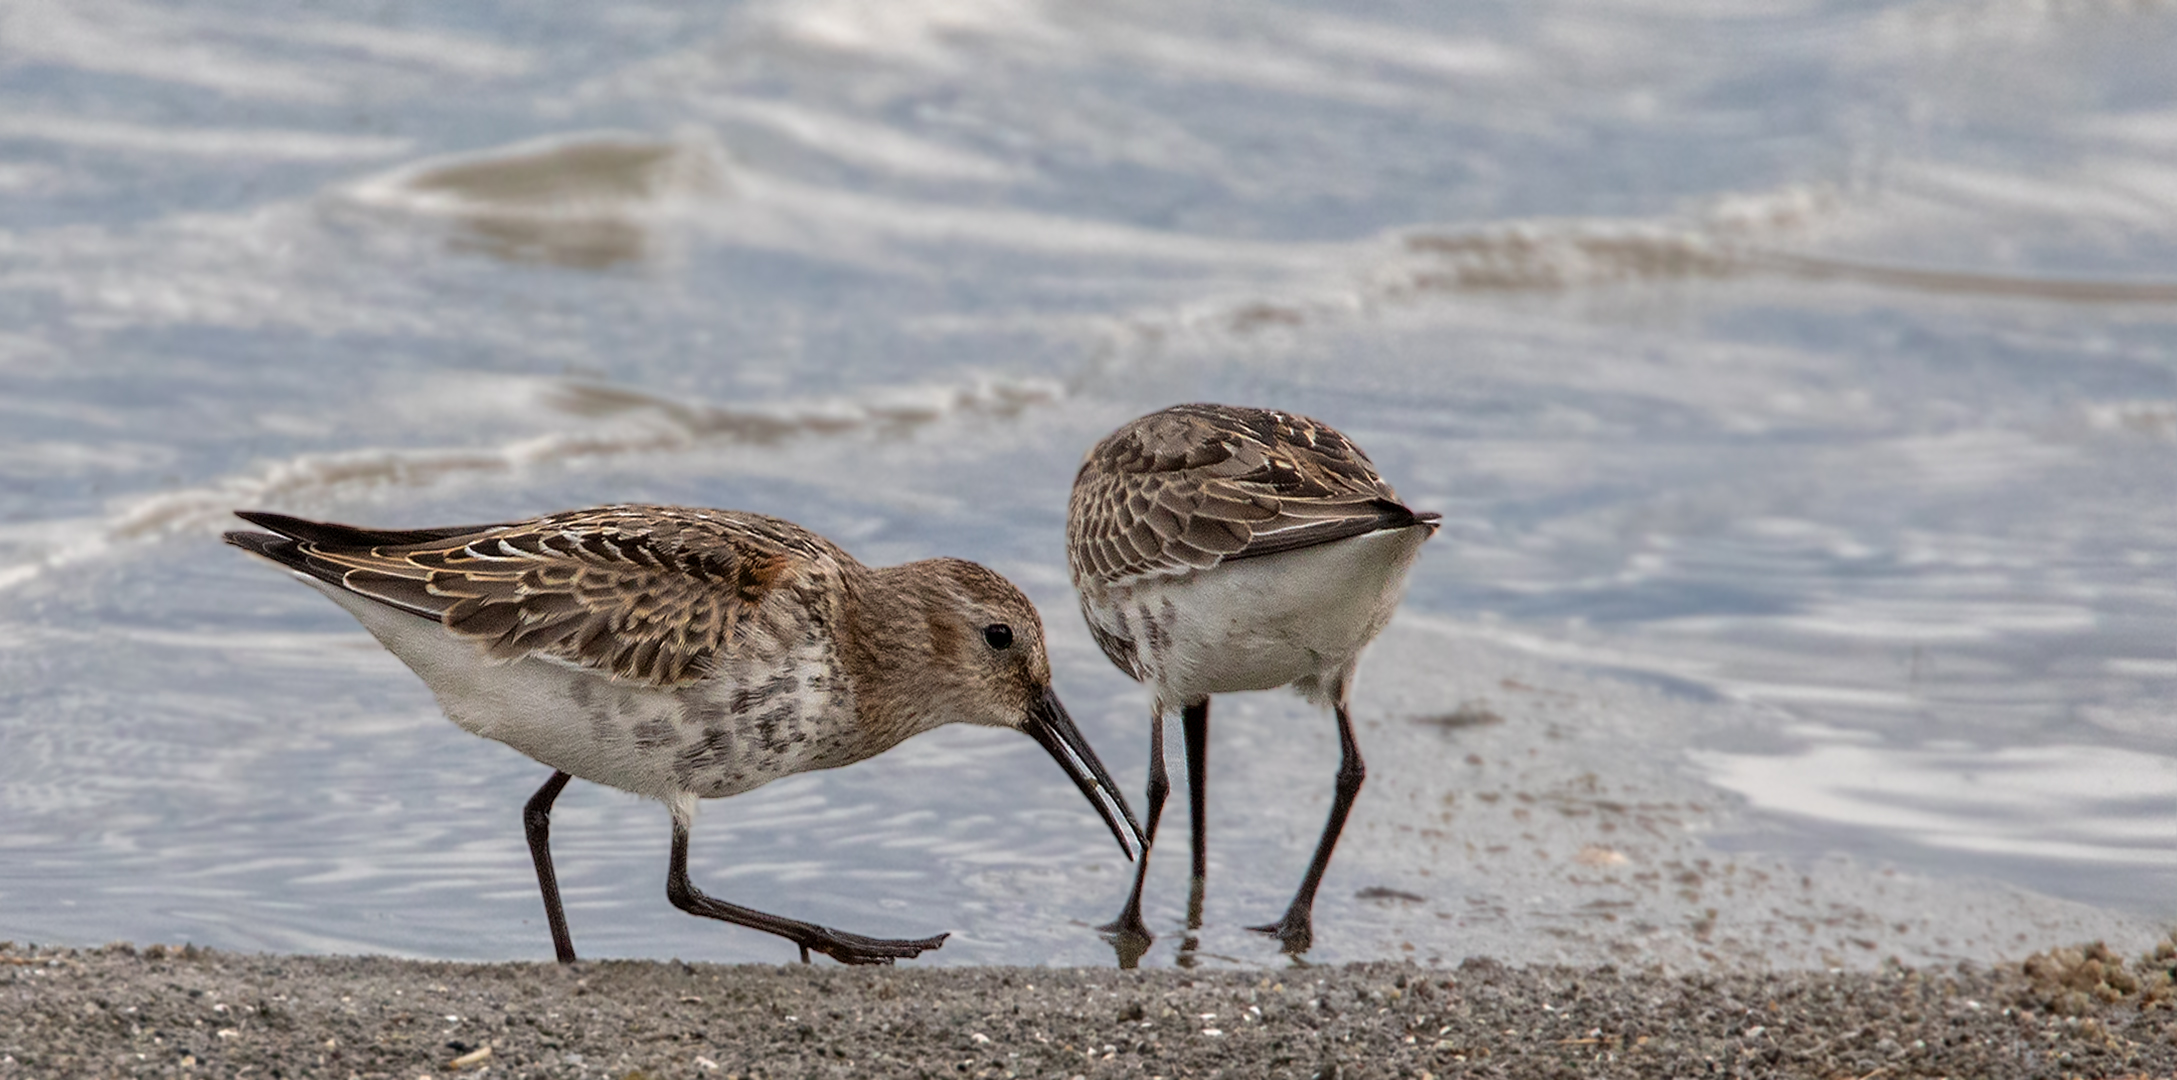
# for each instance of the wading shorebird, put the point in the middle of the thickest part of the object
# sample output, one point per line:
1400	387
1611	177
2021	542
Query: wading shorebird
1217	549
689	654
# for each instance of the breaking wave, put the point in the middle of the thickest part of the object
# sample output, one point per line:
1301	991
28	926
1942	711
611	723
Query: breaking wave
589	201
1745	238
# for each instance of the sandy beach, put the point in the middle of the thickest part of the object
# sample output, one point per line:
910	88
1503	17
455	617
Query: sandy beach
123	1011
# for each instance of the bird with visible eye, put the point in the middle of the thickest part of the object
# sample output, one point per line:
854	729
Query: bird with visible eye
688	654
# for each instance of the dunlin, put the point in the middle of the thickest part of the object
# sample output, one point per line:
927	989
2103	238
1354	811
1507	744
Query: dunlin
688	654
1217	549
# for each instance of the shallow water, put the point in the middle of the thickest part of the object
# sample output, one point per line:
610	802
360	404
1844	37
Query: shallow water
1799	385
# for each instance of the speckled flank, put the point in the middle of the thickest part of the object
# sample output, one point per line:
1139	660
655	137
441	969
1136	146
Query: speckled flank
738	733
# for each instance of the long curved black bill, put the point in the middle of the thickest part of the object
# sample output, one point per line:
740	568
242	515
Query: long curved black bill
1048	722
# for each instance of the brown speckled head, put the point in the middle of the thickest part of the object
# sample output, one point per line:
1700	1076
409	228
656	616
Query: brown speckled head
943	641
948	641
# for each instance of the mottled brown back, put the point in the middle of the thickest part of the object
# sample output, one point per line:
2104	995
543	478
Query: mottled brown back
1195	485
650	593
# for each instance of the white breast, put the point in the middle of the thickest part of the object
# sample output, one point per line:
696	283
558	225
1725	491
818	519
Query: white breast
1261	623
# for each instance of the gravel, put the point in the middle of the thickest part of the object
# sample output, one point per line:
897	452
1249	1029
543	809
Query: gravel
188	1012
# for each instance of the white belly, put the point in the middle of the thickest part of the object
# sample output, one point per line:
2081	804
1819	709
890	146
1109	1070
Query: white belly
668	744
1299	616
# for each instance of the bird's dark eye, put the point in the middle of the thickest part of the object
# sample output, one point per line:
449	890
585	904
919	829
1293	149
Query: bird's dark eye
998	636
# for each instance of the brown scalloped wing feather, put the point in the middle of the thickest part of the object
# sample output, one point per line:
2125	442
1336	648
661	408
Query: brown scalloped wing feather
654	594
1195	485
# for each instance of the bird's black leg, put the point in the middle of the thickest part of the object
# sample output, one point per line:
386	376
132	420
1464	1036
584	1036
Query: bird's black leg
843	947
1195	721
537	822
1129	935
1296	930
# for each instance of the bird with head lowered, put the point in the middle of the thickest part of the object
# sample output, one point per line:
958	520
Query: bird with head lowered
1217	549
686	654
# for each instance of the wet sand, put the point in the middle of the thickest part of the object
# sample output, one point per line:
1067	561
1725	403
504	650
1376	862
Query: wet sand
120	1011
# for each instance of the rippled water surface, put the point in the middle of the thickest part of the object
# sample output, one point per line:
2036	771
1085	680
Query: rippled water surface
1798	383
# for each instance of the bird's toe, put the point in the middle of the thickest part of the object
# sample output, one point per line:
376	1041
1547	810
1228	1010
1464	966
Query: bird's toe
1295	935
856	949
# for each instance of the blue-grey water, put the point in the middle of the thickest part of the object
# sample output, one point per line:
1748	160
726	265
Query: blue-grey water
1798	382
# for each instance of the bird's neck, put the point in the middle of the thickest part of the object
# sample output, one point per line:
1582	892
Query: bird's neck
891	647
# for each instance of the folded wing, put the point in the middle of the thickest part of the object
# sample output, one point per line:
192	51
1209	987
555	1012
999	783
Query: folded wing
1197	485
654	594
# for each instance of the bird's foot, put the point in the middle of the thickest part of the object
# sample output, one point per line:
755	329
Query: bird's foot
1296	931
1129	936
1190	951
856	949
